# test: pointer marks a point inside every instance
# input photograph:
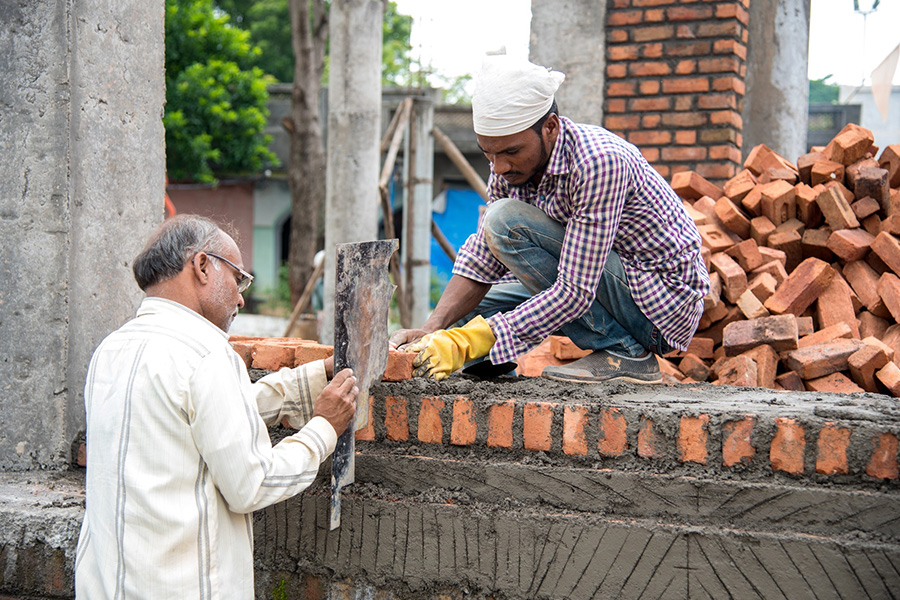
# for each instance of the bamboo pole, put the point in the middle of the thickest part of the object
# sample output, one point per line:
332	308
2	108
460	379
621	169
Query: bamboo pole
461	163
442	241
305	297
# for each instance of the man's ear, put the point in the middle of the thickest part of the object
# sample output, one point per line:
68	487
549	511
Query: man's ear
200	266
551	126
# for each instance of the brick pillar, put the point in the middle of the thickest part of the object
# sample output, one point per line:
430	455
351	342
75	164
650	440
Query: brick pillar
675	82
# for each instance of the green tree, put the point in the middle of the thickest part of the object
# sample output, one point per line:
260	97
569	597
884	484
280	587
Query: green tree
822	92
215	98
269	25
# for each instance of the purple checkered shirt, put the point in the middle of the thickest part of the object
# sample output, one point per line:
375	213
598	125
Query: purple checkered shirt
608	197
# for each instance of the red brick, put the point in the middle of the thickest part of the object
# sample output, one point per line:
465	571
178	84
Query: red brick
832	450
780	332
807	209
849	145
81	455
732	217
762	286
863	364
801	288
738	370
701	346
715	237
750	306
824	170
836	209
890	160
367	432
889	291
788	446
690	85
309	351
244	350
864	281
828	334
737	447
889	376
692	366
870	325
766	360
272	356
430	428
815	243
760	230
399	366
850	244
883	464
647	441
887	247
649	69
777	201
762	157
464	429
835	305
396	419
835	383
613	439
692	436
652	33
790	243
624	17
790	381
537	421
500	422
652	137
865	207
823	359
574	423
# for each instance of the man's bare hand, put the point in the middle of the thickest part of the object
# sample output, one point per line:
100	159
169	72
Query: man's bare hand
404	337
337	402
329	366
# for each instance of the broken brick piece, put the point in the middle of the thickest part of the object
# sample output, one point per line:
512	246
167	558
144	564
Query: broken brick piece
766	360
763	286
873	183
740	185
849	145
827	334
760	229
805	163
864	207
823	359
762	157
791	243
790	381
750	305
801	288
815	243
825	170
889	375
780	332
806	208
694	367
864	281
889	290
883	464
746	254
835	306
702	347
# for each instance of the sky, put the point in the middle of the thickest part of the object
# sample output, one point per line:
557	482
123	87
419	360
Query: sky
451	36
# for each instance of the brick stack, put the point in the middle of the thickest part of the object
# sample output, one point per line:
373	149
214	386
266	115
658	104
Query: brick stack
675	82
804	262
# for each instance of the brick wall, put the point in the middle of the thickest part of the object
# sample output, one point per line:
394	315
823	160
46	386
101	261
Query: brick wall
675	82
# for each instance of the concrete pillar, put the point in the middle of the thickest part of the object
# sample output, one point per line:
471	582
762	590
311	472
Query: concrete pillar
354	111
417	220
776	102
570	36
83	163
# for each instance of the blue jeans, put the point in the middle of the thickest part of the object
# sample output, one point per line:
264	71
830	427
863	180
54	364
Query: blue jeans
529	242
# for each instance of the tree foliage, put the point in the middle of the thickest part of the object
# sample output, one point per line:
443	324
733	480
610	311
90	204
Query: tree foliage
215	98
822	92
269	25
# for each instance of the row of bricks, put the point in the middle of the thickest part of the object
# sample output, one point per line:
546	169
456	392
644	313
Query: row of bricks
271	354
684	12
787	448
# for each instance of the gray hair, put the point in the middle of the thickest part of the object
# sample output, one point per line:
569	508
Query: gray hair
173	244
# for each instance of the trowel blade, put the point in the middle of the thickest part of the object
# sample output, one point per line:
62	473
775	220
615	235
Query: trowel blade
362	296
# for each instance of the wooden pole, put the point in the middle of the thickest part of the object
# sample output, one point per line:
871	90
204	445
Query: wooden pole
305	297
461	163
442	241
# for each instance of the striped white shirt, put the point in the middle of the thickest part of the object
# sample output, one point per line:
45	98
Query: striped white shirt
179	456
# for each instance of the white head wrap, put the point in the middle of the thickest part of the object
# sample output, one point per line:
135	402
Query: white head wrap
511	95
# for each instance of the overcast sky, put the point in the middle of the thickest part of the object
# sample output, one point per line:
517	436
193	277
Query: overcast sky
452	35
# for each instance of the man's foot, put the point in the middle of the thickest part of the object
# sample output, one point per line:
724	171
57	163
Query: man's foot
603	365
485	369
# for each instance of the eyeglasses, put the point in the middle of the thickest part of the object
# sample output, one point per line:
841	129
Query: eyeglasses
246	278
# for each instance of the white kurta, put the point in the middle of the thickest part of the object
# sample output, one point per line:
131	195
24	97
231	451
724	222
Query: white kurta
179	456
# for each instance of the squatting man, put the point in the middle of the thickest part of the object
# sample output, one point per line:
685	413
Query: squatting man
581	237
178	451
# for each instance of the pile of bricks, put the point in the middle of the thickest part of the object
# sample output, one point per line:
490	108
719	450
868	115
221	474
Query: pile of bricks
804	262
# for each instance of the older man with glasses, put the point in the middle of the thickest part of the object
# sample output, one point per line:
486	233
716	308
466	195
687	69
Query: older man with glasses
178	451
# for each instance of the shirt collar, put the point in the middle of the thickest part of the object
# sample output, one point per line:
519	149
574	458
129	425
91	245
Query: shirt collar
154	305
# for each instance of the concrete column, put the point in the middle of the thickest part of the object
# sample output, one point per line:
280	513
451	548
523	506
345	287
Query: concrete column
354	134
417	220
570	36
777	97
83	158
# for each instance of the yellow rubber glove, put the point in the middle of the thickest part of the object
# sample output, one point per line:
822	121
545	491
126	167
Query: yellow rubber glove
446	350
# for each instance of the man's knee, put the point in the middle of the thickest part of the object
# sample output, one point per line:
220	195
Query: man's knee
497	219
